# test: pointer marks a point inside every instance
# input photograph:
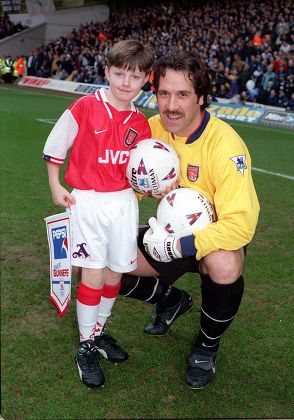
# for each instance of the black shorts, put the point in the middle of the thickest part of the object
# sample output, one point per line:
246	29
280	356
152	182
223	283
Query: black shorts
171	271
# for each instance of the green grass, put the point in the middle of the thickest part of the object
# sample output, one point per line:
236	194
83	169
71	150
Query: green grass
39	378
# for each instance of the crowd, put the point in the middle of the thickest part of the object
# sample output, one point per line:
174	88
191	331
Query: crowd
7	27
247	46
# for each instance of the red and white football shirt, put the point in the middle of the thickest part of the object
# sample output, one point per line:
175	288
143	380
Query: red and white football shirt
101	138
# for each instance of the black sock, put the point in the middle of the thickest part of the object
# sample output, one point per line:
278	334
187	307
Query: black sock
151	290
148	289
170	298
220	304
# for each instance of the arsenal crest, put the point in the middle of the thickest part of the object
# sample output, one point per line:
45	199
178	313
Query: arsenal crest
131	137
192	172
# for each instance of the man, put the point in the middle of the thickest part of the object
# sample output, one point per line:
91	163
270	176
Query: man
215	161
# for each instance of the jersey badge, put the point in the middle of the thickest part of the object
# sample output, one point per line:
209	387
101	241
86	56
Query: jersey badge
131	136
240	163
192	172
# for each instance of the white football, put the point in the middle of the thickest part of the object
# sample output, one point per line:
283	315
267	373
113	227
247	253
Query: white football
153	166
183	211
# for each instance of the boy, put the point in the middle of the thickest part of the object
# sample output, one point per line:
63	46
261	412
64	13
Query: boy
101	129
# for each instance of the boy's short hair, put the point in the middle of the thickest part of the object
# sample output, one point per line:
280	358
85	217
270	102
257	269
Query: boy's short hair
130	54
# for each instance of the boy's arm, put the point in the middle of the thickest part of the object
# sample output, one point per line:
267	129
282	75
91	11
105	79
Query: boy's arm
60	195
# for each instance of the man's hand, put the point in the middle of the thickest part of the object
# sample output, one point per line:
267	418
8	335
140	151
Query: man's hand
160	245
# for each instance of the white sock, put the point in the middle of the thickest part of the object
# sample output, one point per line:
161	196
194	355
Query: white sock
104	311
87	317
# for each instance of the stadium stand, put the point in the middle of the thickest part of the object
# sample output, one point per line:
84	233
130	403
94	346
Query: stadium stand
247	45
7	27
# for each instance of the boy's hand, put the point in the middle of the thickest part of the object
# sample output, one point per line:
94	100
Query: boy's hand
62	197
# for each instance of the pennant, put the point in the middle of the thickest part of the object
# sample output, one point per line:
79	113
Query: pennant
59	241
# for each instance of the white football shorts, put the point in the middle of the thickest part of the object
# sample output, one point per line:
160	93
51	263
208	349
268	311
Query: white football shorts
105	229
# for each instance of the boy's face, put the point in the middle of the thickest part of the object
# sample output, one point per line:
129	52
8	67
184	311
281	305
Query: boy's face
124	85
178	104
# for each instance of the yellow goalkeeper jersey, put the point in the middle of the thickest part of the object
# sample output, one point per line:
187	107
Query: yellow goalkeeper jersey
215	161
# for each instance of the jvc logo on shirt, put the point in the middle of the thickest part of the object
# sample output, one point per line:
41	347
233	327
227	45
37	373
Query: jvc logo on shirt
60	243
114	156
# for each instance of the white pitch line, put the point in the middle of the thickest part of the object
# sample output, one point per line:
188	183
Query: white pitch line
47	121
264	171
262	127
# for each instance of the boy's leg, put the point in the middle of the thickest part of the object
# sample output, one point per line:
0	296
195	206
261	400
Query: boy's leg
88	299
106	345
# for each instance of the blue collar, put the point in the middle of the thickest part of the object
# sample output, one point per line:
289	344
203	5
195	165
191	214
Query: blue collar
197	133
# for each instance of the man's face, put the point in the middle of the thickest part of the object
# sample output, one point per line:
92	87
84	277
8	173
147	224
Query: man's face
178	105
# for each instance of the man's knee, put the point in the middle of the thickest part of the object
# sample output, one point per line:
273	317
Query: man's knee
224	267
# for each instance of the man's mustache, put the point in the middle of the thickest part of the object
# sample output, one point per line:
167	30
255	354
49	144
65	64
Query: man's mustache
173	114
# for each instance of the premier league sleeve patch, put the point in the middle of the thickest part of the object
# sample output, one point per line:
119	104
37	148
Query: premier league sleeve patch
58	234
240	162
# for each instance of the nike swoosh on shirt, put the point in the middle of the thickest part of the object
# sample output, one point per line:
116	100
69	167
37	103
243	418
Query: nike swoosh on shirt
101	131
169	321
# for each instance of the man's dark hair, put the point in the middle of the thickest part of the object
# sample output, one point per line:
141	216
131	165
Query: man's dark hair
187	62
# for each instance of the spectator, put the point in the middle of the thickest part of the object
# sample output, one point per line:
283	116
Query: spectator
32	63
245	76
20	66
269	75
234	91
272	99
65	66
238	64
282	99
290	106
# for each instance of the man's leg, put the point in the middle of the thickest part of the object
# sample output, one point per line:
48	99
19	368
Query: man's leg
222	290
146	284
152	283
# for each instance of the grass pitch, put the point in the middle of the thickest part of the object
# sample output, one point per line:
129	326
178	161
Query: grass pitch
255	365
